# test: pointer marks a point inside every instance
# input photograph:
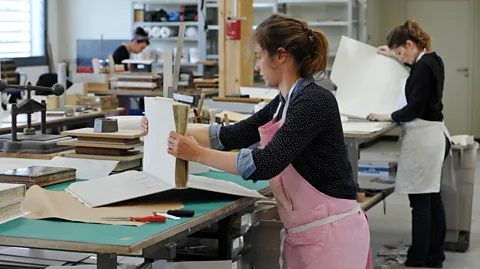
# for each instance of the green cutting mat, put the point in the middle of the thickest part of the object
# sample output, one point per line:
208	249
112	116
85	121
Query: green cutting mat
201	202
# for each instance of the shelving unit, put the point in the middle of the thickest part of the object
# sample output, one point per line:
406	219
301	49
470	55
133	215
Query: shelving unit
334	17
159	40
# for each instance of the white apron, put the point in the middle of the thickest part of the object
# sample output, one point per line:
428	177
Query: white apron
421	168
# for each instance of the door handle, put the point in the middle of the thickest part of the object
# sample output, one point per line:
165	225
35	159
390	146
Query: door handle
462	69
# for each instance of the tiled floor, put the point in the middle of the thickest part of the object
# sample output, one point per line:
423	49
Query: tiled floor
394	228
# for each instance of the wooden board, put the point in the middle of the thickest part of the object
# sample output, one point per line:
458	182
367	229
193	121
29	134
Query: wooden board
92	144
108	140
101	151
33	156
88	132
203	81
105	157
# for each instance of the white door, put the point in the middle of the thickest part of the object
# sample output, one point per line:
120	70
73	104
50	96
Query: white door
449	24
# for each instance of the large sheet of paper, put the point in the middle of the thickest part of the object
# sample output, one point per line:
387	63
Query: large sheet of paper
367	82
156	160
221	186
364	127
134	184
117	188
86	168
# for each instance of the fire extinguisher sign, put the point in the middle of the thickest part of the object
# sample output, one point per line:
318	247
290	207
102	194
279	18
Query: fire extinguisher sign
234	28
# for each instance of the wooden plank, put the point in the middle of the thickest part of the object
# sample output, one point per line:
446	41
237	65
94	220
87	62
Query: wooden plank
108	140
247	60
92	144
88	132
101	151
240	73
131	157
205	81
33	156
222	64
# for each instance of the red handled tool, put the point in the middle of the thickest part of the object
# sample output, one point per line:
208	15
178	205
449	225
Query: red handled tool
154	218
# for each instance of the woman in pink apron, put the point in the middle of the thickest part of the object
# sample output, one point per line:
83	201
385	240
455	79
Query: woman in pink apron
425	143
302	151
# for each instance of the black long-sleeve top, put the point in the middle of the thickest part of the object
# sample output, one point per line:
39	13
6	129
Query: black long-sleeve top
423	91
311	139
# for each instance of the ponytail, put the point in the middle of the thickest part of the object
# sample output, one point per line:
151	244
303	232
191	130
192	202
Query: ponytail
308	47
412	31
317	58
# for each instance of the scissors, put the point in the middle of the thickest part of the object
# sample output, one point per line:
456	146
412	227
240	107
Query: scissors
153	218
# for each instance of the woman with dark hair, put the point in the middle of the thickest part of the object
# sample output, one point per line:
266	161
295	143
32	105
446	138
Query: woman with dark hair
425	142
302	152
137	44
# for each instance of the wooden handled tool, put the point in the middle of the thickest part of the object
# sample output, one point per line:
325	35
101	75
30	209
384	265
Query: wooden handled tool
227	121
200	108
180	112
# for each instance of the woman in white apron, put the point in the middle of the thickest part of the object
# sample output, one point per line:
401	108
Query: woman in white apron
302	151
424	141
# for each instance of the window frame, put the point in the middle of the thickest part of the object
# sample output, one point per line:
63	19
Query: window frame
37	60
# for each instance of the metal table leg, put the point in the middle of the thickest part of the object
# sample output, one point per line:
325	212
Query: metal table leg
353	155
224	240
106	261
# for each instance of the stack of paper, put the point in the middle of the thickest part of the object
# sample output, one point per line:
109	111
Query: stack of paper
367	82
11	196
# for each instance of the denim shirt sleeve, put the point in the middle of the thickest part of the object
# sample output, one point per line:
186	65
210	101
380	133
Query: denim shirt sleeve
214	134
245	164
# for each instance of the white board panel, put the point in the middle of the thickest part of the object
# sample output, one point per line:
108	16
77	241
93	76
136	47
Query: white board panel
161	121
367	82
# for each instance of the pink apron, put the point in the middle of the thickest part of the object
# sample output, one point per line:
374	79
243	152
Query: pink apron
320	231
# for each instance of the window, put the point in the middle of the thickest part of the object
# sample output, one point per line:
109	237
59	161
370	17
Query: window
23	31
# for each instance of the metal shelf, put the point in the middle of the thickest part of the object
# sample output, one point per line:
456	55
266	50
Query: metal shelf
173	38
165	23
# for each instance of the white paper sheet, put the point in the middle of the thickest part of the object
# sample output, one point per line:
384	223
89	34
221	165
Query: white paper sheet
117	188
367	82
156	160
86	168
134	184
363	126
221	186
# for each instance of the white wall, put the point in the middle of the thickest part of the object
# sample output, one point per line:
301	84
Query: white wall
89	19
